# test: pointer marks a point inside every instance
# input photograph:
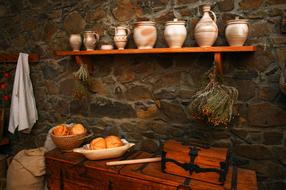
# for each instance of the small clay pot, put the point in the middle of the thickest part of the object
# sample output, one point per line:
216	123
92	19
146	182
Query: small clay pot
145	34
175	33
236	31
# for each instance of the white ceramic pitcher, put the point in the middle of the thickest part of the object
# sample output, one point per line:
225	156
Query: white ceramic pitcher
206	30
121	34
90	39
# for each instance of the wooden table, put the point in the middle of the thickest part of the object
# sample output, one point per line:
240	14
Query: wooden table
72	171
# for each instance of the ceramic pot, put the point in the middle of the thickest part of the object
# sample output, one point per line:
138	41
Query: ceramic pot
121	34
145	34
175	33
236	31
75	41
206	30
106	47
120	41
90	39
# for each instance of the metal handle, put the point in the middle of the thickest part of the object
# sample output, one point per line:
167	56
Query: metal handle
213	16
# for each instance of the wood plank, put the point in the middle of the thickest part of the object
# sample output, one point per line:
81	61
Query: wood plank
152	172
161	50
246	179
100	165
65	157
79	173
9	58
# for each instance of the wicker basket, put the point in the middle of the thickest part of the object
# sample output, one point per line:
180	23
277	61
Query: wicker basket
68	142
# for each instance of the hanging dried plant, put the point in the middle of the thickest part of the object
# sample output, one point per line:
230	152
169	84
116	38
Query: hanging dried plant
80	91
214	103
82	73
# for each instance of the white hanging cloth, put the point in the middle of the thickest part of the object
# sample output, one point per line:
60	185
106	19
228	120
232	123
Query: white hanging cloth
23	111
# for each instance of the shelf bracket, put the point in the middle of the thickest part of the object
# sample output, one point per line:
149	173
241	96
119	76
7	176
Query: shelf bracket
218	63
83	60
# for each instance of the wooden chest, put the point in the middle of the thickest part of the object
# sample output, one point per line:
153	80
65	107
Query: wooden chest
207	164
71	171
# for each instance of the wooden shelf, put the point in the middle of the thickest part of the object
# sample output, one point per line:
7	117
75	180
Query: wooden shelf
4	141
9	58
218	49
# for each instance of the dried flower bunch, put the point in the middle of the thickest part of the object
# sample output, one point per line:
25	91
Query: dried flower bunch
82	72
214	103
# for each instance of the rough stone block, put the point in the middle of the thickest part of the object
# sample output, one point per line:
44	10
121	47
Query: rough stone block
279	153
107	108
250	4
74	23
266	168
173	111
268	92
273	137
138	93
226	5
257	152
266	115
123	10
275	2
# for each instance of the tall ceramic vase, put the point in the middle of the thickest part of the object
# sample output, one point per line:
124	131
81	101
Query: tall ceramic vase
75	41
206	30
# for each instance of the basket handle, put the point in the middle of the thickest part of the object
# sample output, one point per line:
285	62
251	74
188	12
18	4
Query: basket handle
87	136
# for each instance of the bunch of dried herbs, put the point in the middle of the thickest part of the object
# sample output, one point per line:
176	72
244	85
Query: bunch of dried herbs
214	103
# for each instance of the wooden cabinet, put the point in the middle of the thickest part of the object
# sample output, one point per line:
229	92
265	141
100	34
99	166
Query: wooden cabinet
71	171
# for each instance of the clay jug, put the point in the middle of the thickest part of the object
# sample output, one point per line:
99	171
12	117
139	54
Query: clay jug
206	30
90	39
175	33
75	41
121	34
145	34
236	31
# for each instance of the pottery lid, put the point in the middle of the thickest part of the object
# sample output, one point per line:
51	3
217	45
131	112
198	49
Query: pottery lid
148	23
176	21
237	21
122	27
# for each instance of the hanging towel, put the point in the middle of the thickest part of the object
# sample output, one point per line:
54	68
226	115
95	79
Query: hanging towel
23	111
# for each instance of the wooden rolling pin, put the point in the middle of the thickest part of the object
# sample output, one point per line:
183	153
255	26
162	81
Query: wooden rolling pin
134	161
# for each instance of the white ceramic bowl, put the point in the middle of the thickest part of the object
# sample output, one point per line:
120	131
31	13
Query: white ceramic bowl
106	47
104	153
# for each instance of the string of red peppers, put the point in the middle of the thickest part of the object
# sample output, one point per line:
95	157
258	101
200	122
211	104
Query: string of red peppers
4	85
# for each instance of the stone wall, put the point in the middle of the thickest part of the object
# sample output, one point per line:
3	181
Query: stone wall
145	97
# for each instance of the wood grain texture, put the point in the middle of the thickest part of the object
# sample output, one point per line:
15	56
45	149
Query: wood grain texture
161	50
71	171
9	58
206	158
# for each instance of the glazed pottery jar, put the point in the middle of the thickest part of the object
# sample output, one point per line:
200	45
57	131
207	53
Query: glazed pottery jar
89	40
121	34
175	33
236	31
145	34
206	30
75	41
